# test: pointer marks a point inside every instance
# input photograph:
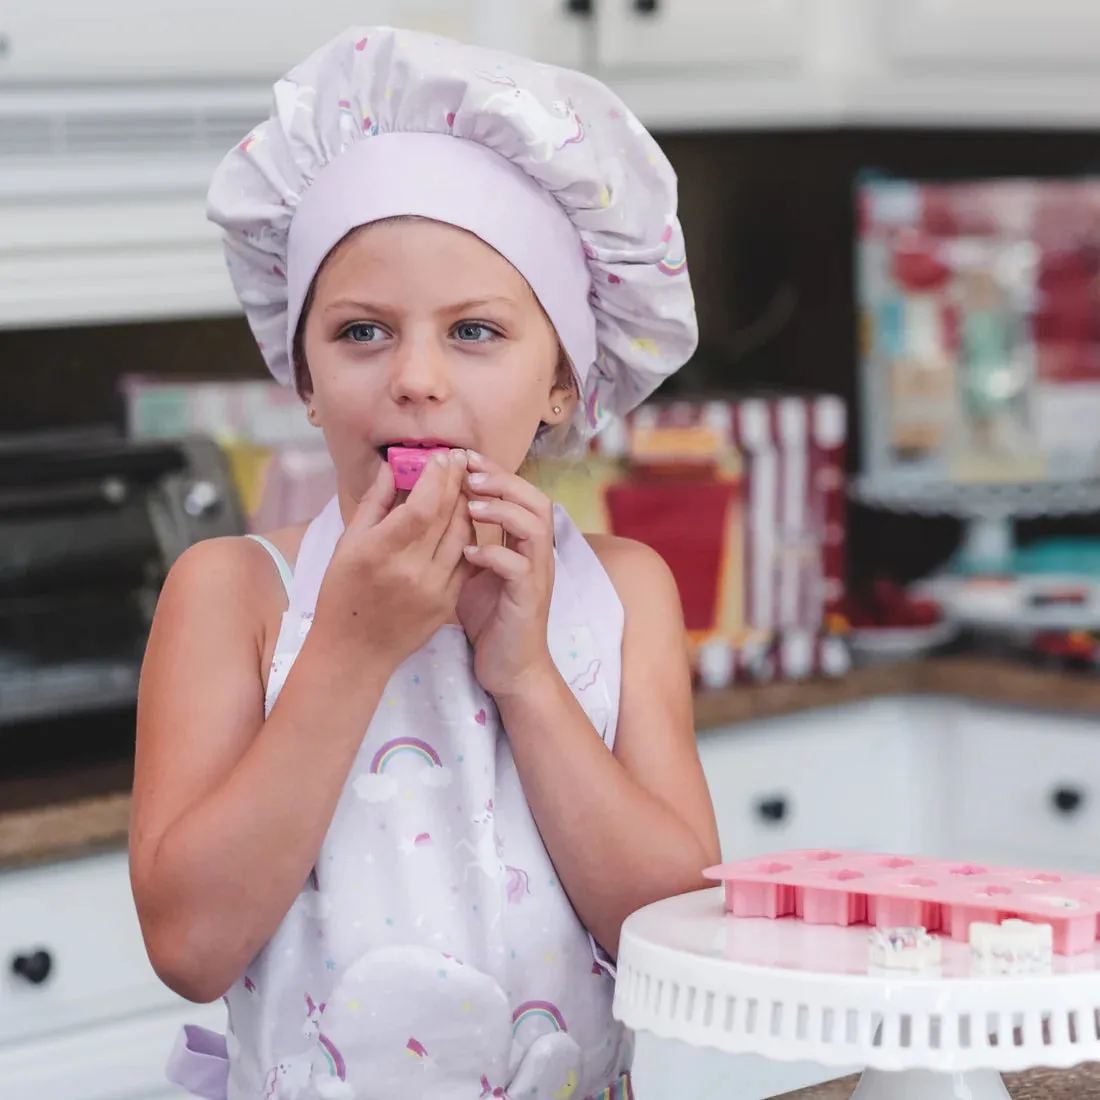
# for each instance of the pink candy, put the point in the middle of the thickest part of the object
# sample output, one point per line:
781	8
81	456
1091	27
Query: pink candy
844	887
408	463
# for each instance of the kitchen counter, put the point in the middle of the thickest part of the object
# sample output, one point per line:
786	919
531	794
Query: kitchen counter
1078	1083
62	815
1000	683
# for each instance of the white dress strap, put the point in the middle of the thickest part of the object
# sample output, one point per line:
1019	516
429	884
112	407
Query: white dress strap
286	574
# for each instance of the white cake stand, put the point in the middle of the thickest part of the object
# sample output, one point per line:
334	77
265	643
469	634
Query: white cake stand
796	992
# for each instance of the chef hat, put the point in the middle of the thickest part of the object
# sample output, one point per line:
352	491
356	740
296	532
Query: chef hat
545	165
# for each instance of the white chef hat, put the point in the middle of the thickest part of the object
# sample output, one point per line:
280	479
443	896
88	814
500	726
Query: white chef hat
545	165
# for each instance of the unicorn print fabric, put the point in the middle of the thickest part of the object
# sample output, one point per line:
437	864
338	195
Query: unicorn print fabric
432	953
568	135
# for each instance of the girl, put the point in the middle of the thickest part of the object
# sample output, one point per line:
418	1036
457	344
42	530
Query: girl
451	249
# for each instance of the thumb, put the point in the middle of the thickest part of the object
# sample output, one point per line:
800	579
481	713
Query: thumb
377	501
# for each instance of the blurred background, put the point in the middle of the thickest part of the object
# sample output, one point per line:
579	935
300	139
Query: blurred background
876	482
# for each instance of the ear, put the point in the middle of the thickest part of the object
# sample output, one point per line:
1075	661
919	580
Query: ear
563	396
560	404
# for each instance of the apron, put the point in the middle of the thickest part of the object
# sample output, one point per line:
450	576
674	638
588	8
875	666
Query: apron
432	952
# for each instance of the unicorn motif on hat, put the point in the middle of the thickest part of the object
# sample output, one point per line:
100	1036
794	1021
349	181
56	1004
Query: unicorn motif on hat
546	130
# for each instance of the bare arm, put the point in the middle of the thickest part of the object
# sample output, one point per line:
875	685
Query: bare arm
229	810
626	829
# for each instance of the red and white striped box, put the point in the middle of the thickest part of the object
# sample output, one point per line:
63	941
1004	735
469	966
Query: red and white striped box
745	500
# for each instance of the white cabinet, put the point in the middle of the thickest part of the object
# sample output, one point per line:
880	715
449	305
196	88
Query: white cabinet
242	40
1040	36
82	1015
1026	788
941	778
124	1060
83	959
665	35
839	778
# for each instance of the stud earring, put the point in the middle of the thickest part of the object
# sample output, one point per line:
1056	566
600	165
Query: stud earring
556	410
311	415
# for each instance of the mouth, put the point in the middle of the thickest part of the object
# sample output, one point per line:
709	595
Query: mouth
415	445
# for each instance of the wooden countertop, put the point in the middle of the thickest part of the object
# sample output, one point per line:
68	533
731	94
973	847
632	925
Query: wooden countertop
1080	1083
69	814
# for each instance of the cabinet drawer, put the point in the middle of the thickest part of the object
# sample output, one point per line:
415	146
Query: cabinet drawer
121	1061
1029	786
827	780
81	915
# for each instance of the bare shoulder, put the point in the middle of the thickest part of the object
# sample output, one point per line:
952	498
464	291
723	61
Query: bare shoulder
221	579
287	540
638	573
234	567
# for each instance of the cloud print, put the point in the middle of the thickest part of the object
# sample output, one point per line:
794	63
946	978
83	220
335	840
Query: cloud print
375	788
436	777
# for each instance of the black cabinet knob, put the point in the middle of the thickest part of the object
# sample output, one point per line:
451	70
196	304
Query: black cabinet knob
578	7
646	7
34	968
772	810
1067	800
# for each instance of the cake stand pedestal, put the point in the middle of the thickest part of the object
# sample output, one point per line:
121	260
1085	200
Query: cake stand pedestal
796	992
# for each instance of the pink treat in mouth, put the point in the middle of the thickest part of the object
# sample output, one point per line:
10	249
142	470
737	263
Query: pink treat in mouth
408	463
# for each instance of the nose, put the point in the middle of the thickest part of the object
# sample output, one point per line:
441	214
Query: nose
418	373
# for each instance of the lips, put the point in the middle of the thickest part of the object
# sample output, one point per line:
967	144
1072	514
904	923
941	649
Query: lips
416	444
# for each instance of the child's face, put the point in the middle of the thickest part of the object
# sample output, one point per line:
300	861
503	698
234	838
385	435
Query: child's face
420	332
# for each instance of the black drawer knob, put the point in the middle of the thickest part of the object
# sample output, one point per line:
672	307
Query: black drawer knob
34	968
578	7
646	7
1067	800
772	810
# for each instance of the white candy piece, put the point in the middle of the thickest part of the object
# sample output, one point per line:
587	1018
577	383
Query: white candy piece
904	949
1011	947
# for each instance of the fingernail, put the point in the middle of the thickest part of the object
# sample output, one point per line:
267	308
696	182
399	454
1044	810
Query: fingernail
475	458
478	505
469	551
441	458
476	479
458	458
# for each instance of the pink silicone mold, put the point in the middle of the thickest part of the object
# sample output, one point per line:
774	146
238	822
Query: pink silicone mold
843	888
408	463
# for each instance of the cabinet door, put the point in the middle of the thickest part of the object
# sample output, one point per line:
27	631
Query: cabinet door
1026	789
546	30
123	1061
688	34
823	780
953	32
178	39
72	950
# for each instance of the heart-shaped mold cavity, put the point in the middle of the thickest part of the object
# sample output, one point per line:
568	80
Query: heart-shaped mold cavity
846	875
917	883
967	870
896	863
772	868
992	892
823	857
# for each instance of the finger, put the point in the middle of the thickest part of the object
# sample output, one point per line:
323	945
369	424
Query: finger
506	564
463	571
526	529
486	479
458	535
425	515
378	500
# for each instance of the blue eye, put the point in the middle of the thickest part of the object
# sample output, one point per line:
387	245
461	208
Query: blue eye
474	332
361	333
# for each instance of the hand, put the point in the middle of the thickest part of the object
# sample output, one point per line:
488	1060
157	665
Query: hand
397	572
504	607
